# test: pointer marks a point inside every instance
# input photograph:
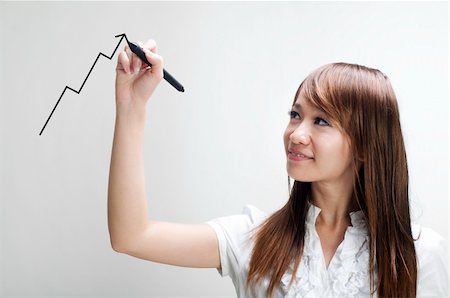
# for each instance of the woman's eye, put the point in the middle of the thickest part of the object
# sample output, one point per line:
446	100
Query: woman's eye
293	114
321	122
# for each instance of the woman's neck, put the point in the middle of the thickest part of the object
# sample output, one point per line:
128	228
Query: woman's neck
335	201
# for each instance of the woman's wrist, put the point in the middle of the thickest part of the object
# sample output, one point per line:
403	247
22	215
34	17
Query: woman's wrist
131	110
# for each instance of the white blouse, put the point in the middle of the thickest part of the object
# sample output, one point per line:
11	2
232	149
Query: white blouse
347	274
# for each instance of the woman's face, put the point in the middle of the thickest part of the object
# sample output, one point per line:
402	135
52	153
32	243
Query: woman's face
316	150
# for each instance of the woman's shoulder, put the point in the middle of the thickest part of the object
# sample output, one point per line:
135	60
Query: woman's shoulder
432	261
430	246
233	234
254	213
250	217
427	240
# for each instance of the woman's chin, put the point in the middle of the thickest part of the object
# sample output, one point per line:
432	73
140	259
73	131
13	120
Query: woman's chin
301	178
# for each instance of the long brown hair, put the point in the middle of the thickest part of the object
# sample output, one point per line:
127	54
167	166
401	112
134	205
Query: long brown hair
363	102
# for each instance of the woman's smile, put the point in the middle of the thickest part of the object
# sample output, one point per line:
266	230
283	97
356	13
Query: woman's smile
298	157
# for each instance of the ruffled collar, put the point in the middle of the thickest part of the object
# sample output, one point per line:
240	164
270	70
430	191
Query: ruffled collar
356	217
347	275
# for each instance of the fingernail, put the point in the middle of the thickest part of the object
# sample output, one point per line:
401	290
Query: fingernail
147	51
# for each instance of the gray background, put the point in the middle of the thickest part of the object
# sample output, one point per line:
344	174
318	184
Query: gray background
209	151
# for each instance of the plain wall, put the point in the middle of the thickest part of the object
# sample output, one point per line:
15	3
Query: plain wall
208	151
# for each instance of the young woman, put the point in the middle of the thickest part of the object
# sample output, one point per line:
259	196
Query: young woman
345	230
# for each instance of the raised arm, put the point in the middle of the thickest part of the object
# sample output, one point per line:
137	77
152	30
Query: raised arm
131	232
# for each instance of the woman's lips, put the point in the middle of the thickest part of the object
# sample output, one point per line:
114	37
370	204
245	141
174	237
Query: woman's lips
298	157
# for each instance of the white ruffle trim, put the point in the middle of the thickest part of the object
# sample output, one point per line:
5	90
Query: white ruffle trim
347	274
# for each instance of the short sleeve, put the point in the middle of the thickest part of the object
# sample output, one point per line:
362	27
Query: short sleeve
233	234
432	273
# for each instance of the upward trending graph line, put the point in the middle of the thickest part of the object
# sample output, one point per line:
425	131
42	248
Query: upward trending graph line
122	36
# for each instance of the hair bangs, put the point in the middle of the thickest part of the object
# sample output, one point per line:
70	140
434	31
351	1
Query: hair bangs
319	91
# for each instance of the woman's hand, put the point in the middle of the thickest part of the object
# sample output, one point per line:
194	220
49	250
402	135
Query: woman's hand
135	80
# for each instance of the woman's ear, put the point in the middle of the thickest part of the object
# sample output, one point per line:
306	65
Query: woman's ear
359	162
359	156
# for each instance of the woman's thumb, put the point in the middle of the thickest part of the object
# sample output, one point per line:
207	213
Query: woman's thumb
157	63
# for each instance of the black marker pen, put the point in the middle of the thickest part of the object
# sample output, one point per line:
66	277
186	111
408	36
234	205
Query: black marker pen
167	76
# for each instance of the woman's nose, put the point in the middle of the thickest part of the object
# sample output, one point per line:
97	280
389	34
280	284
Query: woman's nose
300	135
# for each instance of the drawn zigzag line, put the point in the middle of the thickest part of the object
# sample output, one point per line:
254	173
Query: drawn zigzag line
122	36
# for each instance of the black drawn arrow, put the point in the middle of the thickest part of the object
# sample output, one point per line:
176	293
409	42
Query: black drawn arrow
122	36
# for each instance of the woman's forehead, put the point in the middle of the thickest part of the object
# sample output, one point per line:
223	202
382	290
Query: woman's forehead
301	104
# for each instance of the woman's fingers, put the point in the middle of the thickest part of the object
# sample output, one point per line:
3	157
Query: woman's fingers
130	63
135	80
136	64
151	45
123	63
134	60
150	50
156	62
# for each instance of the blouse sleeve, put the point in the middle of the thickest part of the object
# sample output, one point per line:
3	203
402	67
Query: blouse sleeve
232	234
432	276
